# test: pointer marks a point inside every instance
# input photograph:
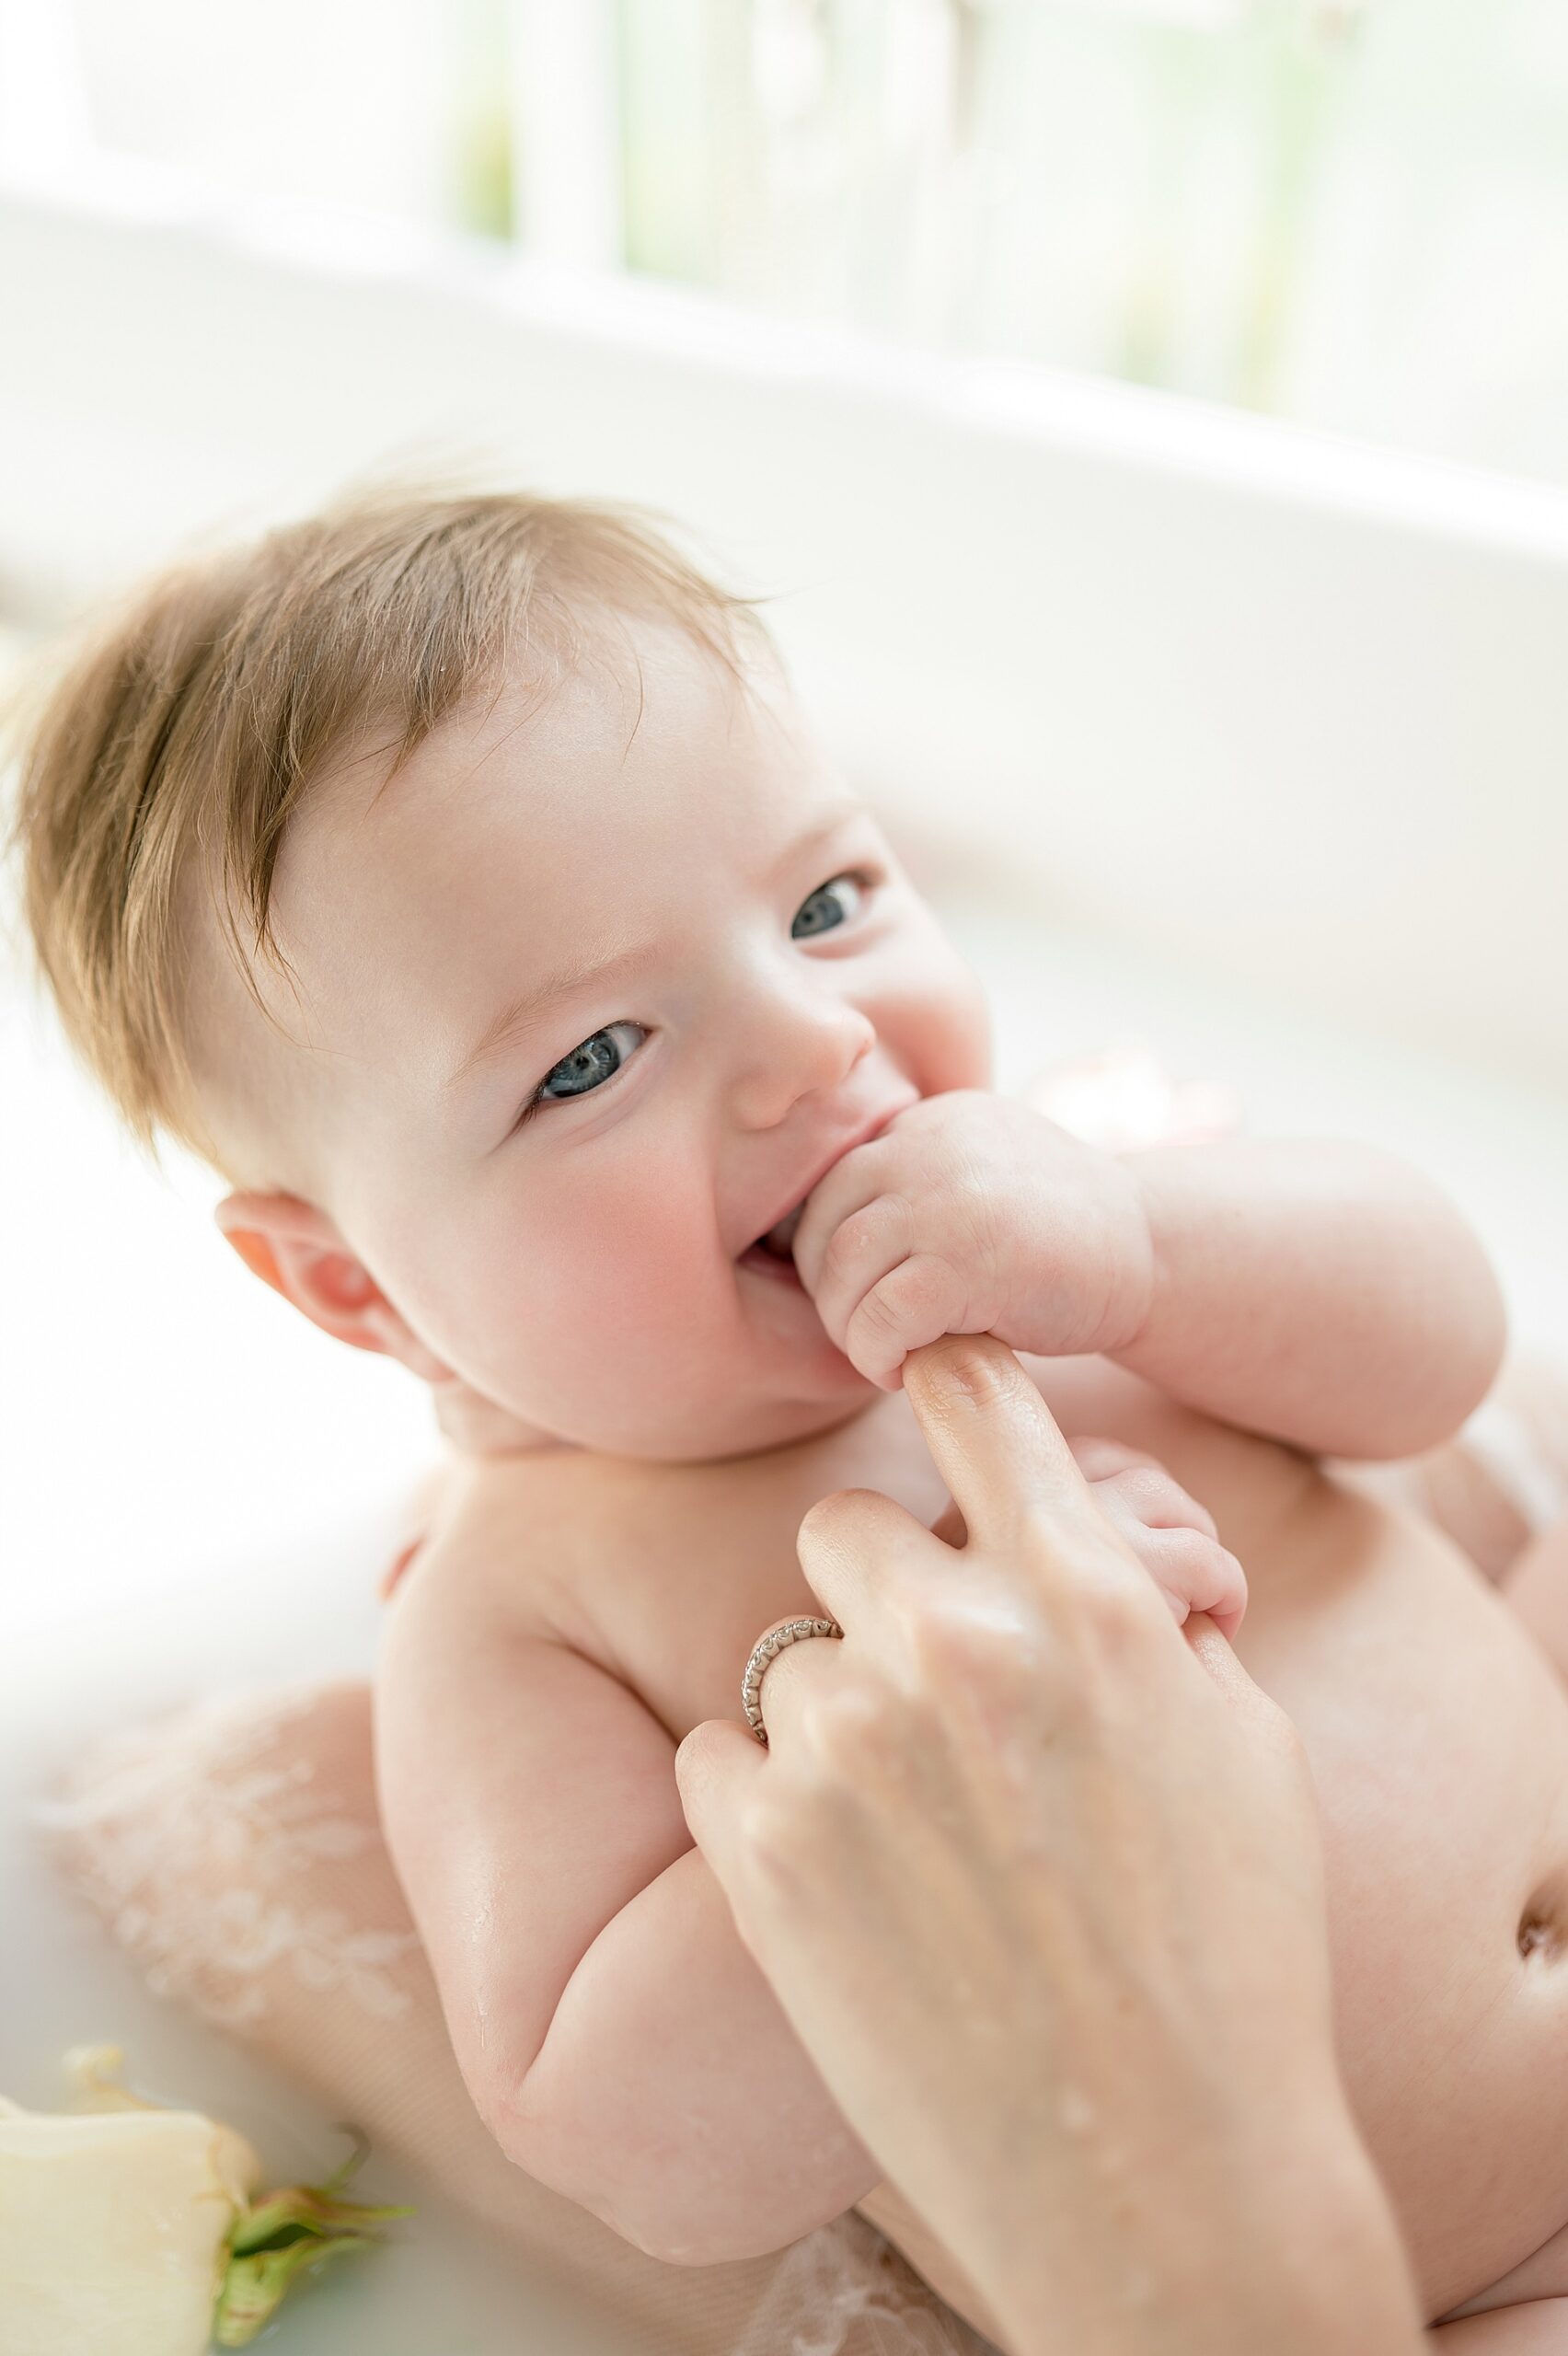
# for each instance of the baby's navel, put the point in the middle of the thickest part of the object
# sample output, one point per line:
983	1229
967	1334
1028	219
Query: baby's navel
1540	1930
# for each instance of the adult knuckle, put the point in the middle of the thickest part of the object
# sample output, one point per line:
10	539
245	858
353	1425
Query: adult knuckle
776	1836
960	1641
853	1729
1056	1538
1112	1617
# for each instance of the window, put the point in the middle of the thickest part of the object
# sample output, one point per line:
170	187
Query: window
1351	213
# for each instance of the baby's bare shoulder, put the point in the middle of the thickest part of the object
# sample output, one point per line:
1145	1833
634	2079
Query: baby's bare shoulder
500	1534
545	1545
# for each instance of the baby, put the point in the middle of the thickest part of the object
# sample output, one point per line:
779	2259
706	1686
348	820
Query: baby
458	877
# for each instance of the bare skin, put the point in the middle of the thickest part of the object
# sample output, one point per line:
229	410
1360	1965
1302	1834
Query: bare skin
1038	1879
586	1005
605	1067
1434	1723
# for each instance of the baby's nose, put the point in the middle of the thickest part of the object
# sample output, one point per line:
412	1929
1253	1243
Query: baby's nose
810	1045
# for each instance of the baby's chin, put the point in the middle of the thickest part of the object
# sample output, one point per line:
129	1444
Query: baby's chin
789	1395
766	1380
784	1423
752	1419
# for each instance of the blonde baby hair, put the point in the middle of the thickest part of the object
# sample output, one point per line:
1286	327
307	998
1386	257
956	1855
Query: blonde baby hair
196	719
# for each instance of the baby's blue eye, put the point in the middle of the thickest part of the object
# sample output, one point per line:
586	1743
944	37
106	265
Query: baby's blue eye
588	1066
825	910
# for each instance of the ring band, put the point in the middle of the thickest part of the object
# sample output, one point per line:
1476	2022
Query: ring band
788	1632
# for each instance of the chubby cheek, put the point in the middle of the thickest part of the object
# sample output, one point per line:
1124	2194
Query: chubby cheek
629	1258
614	1285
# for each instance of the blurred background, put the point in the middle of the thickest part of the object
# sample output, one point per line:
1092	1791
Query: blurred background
1353	212
1148	417
1147	422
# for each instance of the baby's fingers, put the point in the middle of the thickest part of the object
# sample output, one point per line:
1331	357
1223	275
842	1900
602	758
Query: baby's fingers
1194	1574
917	1302
1173	1537
850	1186
863	1249
1129	1483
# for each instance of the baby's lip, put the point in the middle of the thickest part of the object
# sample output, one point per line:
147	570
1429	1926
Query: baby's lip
779	1234
779	1239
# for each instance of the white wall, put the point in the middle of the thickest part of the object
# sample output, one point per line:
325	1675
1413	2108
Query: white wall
1290	709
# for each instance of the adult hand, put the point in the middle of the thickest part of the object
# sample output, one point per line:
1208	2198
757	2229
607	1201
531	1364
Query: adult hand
1036	1877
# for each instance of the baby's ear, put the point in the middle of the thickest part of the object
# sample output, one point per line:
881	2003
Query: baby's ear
298	1251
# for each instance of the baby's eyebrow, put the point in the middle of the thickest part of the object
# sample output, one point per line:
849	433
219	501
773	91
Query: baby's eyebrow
526	1009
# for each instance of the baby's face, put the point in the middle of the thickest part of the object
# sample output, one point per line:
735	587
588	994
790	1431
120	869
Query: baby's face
596	995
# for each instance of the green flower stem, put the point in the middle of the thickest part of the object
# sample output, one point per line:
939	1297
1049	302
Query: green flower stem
287	2233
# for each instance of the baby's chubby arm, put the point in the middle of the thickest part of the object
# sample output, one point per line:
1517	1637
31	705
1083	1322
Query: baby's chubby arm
614	2035
1321	1294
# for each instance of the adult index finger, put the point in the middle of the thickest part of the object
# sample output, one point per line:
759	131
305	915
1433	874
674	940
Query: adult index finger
993	1439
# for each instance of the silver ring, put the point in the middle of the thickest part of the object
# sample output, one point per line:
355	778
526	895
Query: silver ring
788	1632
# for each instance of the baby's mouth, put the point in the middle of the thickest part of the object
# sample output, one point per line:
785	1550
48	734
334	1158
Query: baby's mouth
781	1239
773	1255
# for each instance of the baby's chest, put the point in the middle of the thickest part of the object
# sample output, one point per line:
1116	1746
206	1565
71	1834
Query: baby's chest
700	1580
686	1567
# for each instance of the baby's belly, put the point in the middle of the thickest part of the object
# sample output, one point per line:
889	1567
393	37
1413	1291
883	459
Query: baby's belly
1438	1739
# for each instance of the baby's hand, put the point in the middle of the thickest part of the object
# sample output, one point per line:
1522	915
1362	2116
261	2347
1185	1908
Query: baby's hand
1172	1536
972	1213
